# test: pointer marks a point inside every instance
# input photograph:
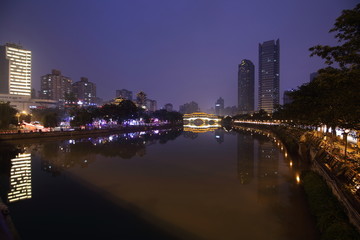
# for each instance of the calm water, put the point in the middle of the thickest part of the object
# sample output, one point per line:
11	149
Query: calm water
158	185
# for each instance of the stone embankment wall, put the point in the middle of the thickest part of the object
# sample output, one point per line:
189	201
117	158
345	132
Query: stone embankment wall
338	175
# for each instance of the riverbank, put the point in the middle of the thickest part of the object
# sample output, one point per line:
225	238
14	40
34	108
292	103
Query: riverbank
80	133
339	172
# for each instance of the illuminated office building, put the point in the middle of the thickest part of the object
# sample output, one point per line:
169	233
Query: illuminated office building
269	75
15	70
20	178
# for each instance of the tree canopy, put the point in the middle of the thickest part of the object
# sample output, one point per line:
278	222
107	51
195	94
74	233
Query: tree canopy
332	98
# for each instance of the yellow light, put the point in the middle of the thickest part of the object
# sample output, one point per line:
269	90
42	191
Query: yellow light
297	178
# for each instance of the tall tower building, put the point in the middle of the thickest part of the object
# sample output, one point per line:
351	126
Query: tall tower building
269	75
219	107
246	87
55	86
85	91
15	70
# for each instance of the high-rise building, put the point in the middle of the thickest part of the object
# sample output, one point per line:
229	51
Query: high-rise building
141	99
287	98
246	87
190	107
126	94
269	75
168	107
219	107
151	105
55	86
85	91
15	70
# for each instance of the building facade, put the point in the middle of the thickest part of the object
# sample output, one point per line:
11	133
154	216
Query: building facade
269	75
246	87
85	91
15	70
55	86
125	94
189	108
168	107
219	107
151	105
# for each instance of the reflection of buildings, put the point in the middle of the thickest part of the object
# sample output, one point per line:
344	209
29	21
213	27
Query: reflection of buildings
219	135
268	168
245	158
20	178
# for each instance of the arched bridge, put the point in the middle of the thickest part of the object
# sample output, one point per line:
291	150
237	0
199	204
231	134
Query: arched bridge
201	118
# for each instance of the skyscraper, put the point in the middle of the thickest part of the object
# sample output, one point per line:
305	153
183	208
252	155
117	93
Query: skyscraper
15	70
269	75
85	91
246	87
54	86
219	107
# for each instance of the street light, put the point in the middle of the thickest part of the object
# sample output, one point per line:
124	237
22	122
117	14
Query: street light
18	117
346	132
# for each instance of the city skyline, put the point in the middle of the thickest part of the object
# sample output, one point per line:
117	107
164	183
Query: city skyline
176	52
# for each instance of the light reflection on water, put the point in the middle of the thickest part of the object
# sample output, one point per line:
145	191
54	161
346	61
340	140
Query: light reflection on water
215	185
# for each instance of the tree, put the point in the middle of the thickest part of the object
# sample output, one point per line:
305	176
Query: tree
332	97
82	116
50	117
348	34
7	115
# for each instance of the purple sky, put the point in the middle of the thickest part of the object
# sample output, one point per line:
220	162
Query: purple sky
174	50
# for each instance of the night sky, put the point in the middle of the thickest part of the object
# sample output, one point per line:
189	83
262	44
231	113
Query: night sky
176	51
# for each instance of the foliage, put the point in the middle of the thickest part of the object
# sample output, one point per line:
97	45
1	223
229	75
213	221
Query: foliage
332	97
81	116
124	111
331	218
164	115
348	33
7	115
50	117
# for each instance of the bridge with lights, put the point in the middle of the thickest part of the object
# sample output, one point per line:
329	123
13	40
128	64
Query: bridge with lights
201	120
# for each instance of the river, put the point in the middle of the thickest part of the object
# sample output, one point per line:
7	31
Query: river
222	184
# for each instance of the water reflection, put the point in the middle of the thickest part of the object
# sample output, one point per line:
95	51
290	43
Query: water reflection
20	178
197	187
56	157
245	157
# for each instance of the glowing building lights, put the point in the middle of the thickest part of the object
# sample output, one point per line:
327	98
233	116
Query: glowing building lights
20	178
15	76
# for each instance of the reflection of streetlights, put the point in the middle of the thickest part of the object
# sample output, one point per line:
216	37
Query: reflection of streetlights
346	132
